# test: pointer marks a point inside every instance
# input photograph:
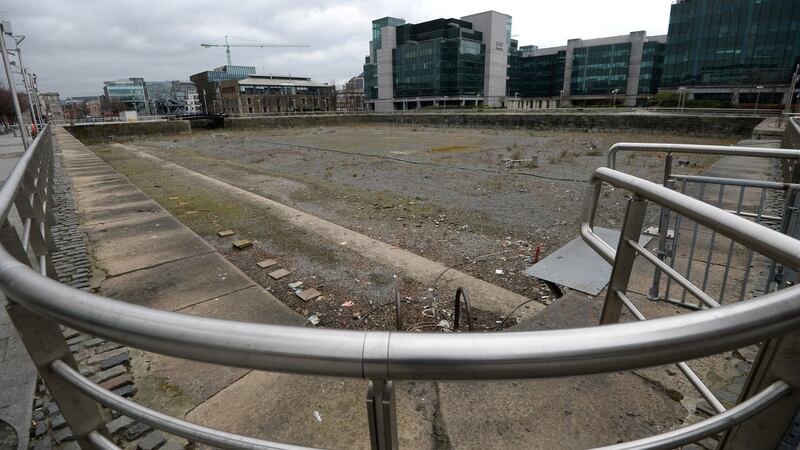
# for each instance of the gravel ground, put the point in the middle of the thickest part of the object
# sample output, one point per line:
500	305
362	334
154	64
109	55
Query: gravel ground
443	193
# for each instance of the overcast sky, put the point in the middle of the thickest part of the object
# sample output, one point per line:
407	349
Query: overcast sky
75	45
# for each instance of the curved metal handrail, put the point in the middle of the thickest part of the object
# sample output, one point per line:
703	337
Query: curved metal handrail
785	153
393	355
398	355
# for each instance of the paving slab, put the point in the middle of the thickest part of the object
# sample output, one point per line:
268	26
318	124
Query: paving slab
253	304
178	284
144	210
141	242
281	407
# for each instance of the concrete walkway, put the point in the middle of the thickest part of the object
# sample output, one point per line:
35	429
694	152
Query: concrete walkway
17	373
149	258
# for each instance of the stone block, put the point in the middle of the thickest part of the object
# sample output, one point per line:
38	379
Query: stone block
151	441
278	274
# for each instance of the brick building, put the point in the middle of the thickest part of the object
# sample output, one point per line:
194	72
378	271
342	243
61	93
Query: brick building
263	94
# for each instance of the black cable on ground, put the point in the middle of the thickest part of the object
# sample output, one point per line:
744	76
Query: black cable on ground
430	164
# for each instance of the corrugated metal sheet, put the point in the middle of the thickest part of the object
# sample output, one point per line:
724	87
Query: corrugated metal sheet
577	266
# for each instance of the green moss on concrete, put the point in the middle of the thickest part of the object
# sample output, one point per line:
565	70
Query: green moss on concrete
207	210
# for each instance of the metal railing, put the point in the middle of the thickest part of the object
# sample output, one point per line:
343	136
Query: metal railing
699	187
38	304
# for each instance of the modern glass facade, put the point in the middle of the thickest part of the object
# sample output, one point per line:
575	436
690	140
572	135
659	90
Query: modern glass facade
370	81
600	69
514	75
652	67
732	42
443	57
377	41
439	67
543	76
128	92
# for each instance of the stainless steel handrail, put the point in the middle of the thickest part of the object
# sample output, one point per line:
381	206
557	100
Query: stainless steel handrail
395	355
738	182
398	355
757	152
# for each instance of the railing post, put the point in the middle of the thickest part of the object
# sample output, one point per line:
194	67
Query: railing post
663	236
778	359
45	343
382	415
623	263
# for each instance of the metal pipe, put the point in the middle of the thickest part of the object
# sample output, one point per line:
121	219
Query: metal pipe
393	355
738	182
698	384
673	274
693	246
723	286
700	149
101	442
711	426
710	255
159	420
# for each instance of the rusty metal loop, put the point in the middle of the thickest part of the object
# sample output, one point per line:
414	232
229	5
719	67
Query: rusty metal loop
462	293
397	311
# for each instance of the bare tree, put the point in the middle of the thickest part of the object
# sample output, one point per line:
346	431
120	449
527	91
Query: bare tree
7	113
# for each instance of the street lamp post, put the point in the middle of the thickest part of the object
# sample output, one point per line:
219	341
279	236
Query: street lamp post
615	92
758	95
682	93
11	84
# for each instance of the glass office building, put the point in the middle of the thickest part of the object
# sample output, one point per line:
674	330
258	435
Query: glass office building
732	42
543	75
443	57
652	67
600	69
130	92
371	62
514	75
442	62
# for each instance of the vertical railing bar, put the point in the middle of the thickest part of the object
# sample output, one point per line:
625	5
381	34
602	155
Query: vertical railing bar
709	260
694	243
675	239
730	250
26	233
687	371
750	253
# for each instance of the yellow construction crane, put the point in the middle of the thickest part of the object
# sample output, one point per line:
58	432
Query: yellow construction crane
228	46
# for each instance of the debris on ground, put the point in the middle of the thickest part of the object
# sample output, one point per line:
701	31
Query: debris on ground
225	233
318	416
314	320
242	244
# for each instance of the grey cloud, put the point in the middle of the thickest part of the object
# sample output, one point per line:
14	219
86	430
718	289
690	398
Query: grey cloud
75	45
